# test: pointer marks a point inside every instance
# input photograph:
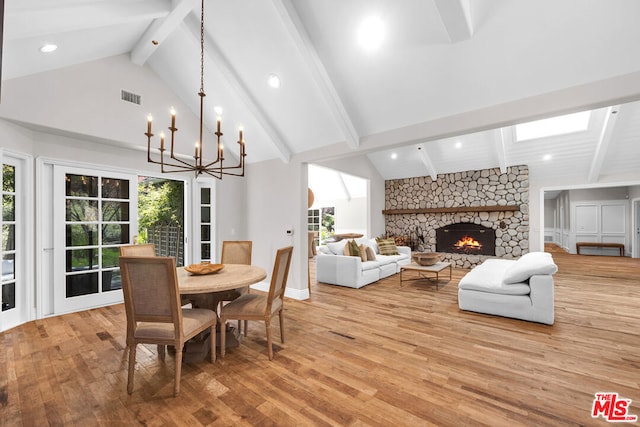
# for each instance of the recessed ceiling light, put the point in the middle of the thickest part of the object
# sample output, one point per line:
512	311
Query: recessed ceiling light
458	145
546	157
218	110
394	156
371	33
274	81
47	48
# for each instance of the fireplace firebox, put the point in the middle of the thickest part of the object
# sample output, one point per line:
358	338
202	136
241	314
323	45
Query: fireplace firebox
466	238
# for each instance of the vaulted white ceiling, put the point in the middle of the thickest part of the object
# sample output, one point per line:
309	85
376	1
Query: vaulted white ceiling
440	61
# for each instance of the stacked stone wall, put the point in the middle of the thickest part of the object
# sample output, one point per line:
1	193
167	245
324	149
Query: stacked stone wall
487	187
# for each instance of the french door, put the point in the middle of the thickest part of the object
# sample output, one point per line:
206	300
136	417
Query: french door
204	242
94	214
13	250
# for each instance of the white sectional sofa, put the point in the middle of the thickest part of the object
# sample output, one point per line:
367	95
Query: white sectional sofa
334	268
521	289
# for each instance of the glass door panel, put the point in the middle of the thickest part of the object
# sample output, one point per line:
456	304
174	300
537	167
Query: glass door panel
205	224
8	237
13	202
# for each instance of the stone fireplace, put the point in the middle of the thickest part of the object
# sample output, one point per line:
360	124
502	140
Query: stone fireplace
416	208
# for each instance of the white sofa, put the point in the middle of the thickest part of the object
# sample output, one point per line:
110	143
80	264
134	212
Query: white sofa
521	289
334	268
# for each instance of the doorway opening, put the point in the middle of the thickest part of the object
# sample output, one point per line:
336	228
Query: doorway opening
161	216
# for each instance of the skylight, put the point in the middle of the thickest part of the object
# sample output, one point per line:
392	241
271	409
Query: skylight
560	125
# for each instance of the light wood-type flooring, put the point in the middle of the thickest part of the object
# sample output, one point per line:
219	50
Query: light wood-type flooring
383	355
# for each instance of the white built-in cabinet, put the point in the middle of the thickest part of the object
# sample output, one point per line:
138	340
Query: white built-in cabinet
603	222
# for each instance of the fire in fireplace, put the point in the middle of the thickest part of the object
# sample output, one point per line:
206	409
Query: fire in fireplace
466	238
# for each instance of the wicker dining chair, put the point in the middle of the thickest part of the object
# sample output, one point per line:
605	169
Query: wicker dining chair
260	306
154	314
235	252
147	249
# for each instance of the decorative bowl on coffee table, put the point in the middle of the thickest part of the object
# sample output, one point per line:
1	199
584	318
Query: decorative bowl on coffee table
425	258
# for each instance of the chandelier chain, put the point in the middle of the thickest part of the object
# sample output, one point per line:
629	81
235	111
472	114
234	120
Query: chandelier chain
202	48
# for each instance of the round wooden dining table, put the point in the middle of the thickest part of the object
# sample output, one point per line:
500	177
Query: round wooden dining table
207	290
232	276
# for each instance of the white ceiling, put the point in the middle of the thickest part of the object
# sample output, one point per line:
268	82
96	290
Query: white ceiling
440	59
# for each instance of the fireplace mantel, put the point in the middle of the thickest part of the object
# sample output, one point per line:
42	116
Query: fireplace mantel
451	210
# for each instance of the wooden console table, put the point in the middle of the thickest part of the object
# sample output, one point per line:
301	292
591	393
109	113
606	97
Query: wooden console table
579	245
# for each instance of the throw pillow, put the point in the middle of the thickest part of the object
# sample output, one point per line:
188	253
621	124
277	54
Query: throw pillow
363	252
371	255
387	247
353	248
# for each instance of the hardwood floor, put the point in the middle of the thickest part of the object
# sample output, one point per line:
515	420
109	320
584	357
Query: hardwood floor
380	355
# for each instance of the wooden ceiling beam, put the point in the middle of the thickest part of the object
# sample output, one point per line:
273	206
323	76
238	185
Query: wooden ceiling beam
160	29
603	143
276	140
26	20
424	156
456	17
300	37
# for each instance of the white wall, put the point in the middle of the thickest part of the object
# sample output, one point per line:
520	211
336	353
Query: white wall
362	167
85	100
351	215
276	201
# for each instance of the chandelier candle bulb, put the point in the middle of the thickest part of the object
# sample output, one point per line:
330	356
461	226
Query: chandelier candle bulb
149	120
173	117
161	141
219	120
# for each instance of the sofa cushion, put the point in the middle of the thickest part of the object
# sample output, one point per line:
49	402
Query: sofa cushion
337	248
324	250
370	265
488	277
388	259
528	265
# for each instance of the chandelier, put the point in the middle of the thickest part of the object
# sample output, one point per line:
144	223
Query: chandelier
214	168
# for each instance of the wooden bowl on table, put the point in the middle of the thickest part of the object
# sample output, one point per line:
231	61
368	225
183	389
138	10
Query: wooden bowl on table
425	258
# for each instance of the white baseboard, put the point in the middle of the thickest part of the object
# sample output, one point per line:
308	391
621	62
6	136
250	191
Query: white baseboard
299	294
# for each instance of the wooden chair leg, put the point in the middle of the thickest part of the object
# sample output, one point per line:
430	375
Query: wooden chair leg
161	351
246	326
132	367
282	325
223	336
269	347
213	343
176	381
